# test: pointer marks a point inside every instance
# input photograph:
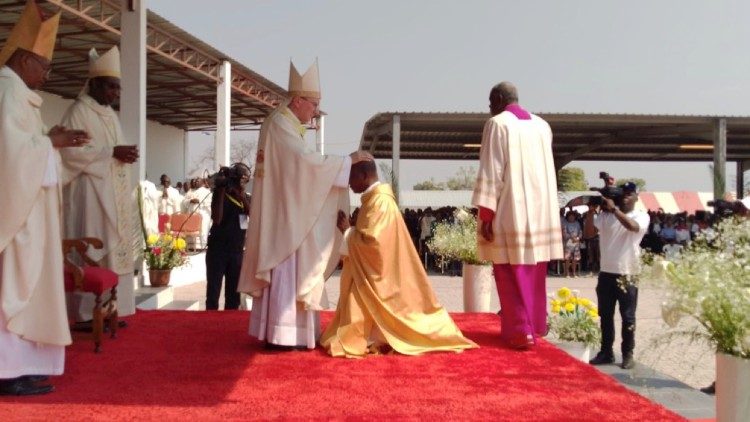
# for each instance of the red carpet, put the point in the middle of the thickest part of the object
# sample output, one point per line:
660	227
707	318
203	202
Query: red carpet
202	365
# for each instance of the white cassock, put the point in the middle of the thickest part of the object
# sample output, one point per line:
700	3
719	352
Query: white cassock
33	323
292	244
97	201
150	206
203	207
170	204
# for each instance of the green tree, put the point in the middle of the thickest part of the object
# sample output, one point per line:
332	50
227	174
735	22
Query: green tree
464	179
429	185
638	182
570	179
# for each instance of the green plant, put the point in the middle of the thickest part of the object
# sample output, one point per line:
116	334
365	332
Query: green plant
574	318
709	282
457	240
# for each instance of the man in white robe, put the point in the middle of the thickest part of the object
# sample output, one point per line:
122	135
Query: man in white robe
150	198
198	200
97	194
170	201
292	243
516	193
33	325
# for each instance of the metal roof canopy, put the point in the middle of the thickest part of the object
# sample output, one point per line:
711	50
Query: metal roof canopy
588	137
182	71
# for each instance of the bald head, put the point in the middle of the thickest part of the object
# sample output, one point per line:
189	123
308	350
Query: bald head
362	175
501	95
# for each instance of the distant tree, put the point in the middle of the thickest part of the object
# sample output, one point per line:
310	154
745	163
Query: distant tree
240	151
637	180
571	179
386	172
429	185
464	179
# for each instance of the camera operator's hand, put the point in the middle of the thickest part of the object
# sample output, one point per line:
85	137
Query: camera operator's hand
126	153
342	221
487	232
62	137
608	205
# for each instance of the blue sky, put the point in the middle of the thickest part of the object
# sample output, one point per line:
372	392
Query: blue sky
661	57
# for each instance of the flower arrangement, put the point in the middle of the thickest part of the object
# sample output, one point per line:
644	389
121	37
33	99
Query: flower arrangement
709	282
457	240
164	252
573	318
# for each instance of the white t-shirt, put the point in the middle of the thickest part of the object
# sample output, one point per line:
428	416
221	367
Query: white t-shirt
619	247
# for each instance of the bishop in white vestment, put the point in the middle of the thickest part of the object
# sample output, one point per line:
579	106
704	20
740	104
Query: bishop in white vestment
292	243
33	324
97	193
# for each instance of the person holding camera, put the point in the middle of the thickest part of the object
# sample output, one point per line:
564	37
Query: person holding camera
230	209
621	228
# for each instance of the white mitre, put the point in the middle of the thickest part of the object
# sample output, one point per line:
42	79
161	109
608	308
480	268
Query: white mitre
106	65
307	85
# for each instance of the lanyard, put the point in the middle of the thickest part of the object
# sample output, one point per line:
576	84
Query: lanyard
234	201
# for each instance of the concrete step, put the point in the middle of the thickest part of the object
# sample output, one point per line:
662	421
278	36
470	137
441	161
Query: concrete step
149	298
181	305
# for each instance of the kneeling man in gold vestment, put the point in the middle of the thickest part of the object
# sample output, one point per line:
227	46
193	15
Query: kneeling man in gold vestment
386	298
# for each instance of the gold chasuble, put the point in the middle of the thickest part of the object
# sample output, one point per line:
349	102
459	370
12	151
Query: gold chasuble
385	291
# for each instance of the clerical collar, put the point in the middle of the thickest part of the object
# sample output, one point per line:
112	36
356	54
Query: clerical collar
371	187
298	125
518	111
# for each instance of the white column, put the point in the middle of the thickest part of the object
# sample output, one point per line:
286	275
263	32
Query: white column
133	114
185	154
396	156
223	114
720	158
320	135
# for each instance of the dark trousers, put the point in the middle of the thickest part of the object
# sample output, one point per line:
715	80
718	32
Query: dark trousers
222	264
608	293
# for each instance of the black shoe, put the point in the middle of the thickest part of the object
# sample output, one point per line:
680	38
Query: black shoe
35	378
22	387
602	358
627	362
280	348
710	390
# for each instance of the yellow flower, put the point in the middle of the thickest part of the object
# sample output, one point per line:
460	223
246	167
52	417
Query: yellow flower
585	302
554	302
593	313
167	238
152	239
180	244
555	309
563	293
570	307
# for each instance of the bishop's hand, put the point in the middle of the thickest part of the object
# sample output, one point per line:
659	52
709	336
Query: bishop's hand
342	221
126	153
63	137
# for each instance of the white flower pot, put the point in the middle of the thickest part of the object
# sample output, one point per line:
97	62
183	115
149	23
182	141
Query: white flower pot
477	287
732	388
580	351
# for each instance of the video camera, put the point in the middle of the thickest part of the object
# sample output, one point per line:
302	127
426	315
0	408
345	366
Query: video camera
608	191
723	208
228	176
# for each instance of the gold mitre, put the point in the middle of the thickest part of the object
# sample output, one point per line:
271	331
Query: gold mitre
307	85
106	65
32	33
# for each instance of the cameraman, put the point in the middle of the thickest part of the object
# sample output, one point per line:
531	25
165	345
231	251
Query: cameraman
230	208
621	229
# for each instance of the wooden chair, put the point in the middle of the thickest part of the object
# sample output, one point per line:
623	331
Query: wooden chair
90	278
187	226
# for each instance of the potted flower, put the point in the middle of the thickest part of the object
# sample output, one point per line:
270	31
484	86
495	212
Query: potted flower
457	241
574	321
163	253
709	283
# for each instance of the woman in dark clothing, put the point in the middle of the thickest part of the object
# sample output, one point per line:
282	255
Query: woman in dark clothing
230	208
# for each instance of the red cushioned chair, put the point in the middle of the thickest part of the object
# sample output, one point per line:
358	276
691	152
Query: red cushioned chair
91	278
